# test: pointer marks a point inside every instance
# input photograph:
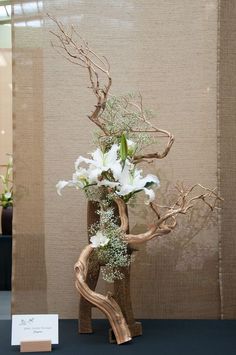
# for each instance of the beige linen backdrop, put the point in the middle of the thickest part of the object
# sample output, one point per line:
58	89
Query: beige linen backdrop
179	54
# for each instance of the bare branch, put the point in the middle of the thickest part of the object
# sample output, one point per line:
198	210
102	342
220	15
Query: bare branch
148	128
124	222
157	155
76	50
167	219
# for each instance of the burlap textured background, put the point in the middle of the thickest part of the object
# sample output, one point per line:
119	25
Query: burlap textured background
168	50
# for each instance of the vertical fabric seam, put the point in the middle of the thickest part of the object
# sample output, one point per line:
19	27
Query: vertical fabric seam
218	141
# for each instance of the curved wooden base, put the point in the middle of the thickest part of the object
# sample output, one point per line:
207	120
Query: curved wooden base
85	307
106	304
135	330
121	296
121	288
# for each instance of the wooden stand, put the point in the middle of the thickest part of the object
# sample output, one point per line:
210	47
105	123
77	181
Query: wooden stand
35	346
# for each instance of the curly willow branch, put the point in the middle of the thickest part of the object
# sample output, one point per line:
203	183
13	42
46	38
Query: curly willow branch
106	304
166	221
71	46
124	222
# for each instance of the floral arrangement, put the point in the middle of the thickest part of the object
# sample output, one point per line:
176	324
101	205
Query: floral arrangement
6	196
110	176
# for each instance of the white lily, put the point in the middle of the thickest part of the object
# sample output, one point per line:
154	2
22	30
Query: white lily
99	240
125	182
131	181
81	177
101	162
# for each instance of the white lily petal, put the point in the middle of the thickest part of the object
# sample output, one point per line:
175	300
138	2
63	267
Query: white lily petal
126	190
81	177
82	160
93	174
81	172
151	195
97	158
131	180
152	178
111	155
60	185
130	143
116	170
77	182
124	177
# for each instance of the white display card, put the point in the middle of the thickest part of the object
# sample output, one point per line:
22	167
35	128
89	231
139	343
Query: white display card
34	327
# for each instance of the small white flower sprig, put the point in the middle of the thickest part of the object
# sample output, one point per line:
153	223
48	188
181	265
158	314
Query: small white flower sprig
114	170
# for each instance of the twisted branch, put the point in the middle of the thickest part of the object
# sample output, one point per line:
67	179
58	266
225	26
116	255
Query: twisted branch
149	128
76	50
166	221
124	221
157	155
106	304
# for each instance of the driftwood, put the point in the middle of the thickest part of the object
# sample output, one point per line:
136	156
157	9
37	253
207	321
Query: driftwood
120	313
106	304
121	287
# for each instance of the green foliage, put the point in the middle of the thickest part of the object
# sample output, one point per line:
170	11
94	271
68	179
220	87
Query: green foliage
123	149
6	197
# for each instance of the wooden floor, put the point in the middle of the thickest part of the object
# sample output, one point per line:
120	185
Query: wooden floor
161	337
